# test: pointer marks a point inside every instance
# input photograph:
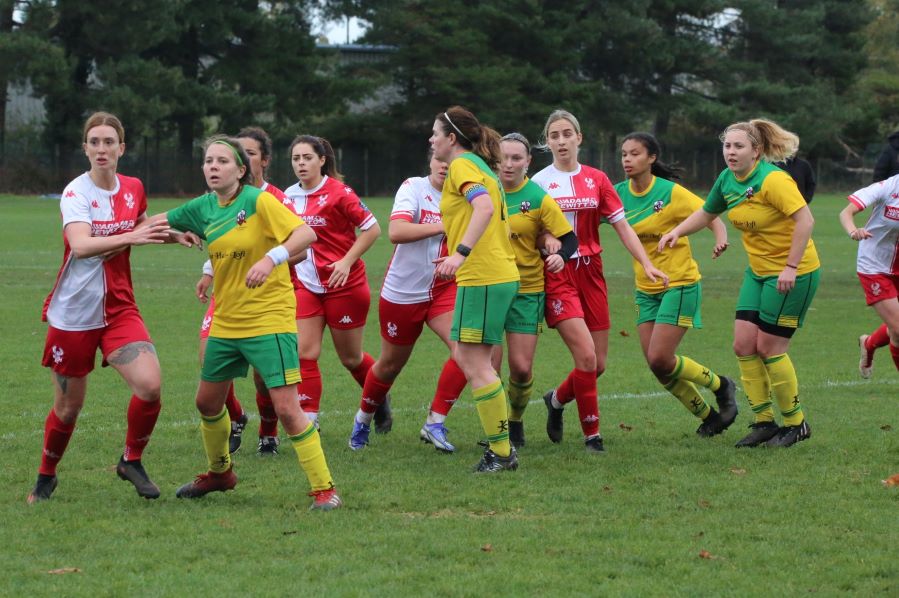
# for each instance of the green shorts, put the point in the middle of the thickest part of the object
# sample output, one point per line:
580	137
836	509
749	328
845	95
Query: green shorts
678	306
776	314
274	356
480	313
526	314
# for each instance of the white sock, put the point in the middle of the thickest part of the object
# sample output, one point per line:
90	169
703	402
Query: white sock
435	418
364	418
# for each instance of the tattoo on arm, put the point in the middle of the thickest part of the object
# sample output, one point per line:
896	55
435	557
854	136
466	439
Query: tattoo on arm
130	352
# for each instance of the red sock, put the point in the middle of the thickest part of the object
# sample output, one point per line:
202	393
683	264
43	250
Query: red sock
56	439
310	388
587	403
879	338
450	385
361	370
565	393
235	409
373	392
142	416
894	351
268	419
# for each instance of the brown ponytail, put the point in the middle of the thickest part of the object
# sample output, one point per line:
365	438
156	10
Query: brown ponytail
471	134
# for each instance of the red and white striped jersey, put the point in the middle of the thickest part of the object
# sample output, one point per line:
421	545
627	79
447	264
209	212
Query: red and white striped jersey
91	291
410	274
587	197
879	254
334	212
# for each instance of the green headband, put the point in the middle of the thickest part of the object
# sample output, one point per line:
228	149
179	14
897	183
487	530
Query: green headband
233	149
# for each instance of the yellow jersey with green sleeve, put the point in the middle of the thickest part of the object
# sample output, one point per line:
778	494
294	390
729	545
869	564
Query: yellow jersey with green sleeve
652	213
760	206
492	260
237	236
532	211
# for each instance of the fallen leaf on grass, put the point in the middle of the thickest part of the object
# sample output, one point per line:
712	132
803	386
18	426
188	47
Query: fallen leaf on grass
886	427
290	533
64	570
700	534
625	427
487	548
891	481
606	488
704	503
705	554
624	333
738	471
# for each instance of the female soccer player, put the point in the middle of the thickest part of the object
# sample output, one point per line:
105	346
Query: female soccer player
258	147
576	297
334	290
780	282
412	296
878	248
483	264
92	306
249	235
653	204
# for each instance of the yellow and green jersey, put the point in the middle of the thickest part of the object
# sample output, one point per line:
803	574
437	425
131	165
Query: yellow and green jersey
237	236
652	213
492	260
532	211
760	205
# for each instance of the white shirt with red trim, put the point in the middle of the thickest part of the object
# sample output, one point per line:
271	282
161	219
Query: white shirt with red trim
879	254
334	212
89	292
586	197
410	274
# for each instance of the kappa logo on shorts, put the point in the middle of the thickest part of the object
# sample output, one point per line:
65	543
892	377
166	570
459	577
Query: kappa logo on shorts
657	206
557	307
391	329
346	320
241	218
58	354
875	289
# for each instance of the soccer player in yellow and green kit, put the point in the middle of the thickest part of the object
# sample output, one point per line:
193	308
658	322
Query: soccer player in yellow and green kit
250	235
482	261
780	282
531	212
654	204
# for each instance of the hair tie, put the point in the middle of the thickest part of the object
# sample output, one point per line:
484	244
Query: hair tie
233	149
458	130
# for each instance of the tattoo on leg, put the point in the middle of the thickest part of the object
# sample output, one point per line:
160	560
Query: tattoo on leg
130	352
63	382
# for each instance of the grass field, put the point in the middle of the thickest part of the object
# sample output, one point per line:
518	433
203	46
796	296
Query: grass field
813	518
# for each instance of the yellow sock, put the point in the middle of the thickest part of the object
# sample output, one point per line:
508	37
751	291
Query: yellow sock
785	388
687	393
519	397
687	369
757	387
491	403
308	446
215	431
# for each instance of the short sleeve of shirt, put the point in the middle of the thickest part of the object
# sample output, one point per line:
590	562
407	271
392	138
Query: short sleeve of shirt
715	202
610	208
356	211
465	172
552	218
277	218
405	204
685	201
143	197
878	192
189	217
782	193
75	207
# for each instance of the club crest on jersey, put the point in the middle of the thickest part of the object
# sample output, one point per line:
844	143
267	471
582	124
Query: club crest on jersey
590	183
58	354
525	207
749	193
241	218
657	206
94	203
391	329
322	200
129	200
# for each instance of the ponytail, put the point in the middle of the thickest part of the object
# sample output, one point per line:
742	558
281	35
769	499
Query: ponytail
653	148
774	143
471	134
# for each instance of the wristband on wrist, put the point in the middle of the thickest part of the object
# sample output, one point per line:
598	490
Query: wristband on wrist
792	266
463	250
278	254
207	268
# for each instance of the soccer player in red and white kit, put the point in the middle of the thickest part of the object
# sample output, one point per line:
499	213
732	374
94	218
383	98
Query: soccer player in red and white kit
258	146
576	298
334	290
92	306
410	297
878	254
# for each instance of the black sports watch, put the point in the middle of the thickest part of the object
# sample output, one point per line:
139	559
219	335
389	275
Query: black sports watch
463	250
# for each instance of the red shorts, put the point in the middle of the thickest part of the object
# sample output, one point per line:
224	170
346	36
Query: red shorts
879	287
72	353
578	291
343	308
402	323
206	324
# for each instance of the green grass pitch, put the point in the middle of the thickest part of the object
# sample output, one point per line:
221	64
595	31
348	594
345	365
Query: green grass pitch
635	521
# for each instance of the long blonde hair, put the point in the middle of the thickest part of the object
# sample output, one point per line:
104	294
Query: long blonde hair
773	141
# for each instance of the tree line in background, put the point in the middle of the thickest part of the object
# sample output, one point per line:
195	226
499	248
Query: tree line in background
177	70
